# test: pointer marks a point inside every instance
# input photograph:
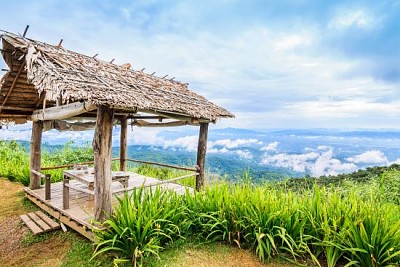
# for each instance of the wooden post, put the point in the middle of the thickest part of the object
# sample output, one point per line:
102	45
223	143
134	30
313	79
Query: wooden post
102	142
123	144
201	155
65	193
47	187
36	154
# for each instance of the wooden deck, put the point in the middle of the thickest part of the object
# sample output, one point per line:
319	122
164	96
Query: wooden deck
80	214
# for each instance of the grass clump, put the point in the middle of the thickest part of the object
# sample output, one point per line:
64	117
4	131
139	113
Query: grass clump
144	223
318	224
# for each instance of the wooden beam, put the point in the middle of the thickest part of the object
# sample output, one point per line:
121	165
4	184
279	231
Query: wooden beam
63	112
17	108
12	86
167	114
142	123
123	144
173	115
36	154
61	125
201	155
137	117
102	162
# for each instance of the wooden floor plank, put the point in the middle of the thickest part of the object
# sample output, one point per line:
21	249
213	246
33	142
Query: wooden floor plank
39	222
31	225
47	220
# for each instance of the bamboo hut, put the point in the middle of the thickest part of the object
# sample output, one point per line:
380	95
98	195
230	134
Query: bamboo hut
56	88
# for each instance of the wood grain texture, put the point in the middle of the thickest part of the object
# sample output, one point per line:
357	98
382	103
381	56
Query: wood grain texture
35	154
201	155
102	162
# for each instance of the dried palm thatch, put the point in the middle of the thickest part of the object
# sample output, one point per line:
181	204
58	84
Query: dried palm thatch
41	73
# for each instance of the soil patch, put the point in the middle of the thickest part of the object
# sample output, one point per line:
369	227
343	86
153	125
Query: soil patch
45	251
231	258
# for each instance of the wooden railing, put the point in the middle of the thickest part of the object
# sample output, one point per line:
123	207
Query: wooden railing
48	176
162	165
128	159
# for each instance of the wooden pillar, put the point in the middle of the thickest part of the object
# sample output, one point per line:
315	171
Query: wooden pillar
102	145
36	154
201	155
123	144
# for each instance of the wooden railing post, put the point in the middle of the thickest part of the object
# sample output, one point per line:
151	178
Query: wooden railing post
47	187
65	193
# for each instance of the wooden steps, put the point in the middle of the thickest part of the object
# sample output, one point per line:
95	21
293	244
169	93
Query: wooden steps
38	222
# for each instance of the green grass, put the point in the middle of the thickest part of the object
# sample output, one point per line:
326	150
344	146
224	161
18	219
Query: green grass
320	224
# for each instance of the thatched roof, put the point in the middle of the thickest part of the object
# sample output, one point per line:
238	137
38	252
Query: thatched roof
39	71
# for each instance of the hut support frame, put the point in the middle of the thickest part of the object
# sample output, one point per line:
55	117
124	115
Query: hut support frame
36	154
102	162
201	155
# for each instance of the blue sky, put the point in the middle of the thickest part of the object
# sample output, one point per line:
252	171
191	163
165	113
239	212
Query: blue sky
274	64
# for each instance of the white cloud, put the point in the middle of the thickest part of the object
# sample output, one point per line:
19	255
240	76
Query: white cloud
15	135
371	156
143	136
228	143
270	147
327	165
244	154
296	162
356	17
188	143
317	164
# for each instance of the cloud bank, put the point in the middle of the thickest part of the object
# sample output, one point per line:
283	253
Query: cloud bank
317	163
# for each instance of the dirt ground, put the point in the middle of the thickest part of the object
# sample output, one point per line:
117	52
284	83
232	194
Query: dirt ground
13	234
233	258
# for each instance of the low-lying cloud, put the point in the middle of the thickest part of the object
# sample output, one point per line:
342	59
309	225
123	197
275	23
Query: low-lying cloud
270	147
190	142
371	156
317	163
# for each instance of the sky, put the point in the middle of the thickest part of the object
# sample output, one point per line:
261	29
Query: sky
274	64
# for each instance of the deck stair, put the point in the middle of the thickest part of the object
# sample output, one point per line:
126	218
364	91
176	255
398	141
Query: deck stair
38	222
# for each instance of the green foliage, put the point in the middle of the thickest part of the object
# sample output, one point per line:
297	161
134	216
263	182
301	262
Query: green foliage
321	224
14	162
68	154
389	186
143	223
